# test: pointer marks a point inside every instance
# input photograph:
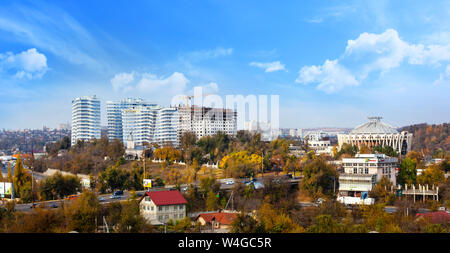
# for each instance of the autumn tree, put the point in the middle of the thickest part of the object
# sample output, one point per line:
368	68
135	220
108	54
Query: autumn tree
82	213
241	164
319	178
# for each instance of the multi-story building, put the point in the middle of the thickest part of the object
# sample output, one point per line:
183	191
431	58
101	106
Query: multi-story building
158	207
114	115
85	118
205	121
166	129
139	122
152	124
363	171
377	133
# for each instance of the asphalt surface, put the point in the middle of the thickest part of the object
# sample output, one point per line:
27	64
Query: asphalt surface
106	198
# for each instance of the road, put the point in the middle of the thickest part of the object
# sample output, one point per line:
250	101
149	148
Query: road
106	198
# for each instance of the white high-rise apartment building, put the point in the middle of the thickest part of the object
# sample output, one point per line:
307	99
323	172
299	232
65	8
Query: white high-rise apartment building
139	122
166	130
114	115
205	121
152	124
85	118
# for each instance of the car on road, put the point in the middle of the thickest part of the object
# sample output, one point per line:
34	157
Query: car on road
101	199
72	197
118	193
114	197
34	205
54	205
229	182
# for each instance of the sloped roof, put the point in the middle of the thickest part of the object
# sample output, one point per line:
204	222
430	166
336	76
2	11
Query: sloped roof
374	126
435	217
222	218
164	198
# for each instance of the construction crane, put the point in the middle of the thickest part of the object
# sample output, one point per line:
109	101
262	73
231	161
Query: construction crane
189	98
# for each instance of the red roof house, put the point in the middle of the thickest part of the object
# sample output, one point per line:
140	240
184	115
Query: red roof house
165	198
440	217
217	220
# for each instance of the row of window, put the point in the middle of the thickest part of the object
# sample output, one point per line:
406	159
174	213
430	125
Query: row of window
175	216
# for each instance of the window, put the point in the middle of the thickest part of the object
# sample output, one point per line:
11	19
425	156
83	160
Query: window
160	208
181	215
175	216
152	208
167	217
355	170
367	170
160	217
167	208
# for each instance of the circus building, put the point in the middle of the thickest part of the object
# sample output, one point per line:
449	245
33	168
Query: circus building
376	133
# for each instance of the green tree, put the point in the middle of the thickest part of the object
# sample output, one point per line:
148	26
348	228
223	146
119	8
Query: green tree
113	178
407	172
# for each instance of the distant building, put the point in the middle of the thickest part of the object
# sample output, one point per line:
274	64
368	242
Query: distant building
166	129
363	171
85	118
206	121
140	122
114	115
158	207
377	133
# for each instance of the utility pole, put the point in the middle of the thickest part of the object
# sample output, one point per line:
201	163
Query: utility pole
32	175
262	163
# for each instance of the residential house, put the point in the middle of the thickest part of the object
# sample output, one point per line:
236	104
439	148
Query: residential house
158	207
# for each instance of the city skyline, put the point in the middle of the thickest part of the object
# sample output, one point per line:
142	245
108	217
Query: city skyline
333	64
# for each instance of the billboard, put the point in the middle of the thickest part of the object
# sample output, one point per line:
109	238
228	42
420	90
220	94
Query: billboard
147	183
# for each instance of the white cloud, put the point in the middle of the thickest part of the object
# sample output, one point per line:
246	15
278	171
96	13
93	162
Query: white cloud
268	66
330	76
148	83
28	64
209	54
175	83
121	81
372	53
444	78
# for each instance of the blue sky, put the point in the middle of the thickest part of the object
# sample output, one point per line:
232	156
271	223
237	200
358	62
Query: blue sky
333	63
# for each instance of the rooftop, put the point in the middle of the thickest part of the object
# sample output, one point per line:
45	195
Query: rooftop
374	126
222	218
165	198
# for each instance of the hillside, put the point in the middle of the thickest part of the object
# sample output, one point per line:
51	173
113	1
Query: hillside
431	139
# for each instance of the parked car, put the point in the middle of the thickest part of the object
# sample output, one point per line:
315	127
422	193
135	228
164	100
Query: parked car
54	205
114	197
34	205
101	199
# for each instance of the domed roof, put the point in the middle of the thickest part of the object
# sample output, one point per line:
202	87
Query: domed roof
374	126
